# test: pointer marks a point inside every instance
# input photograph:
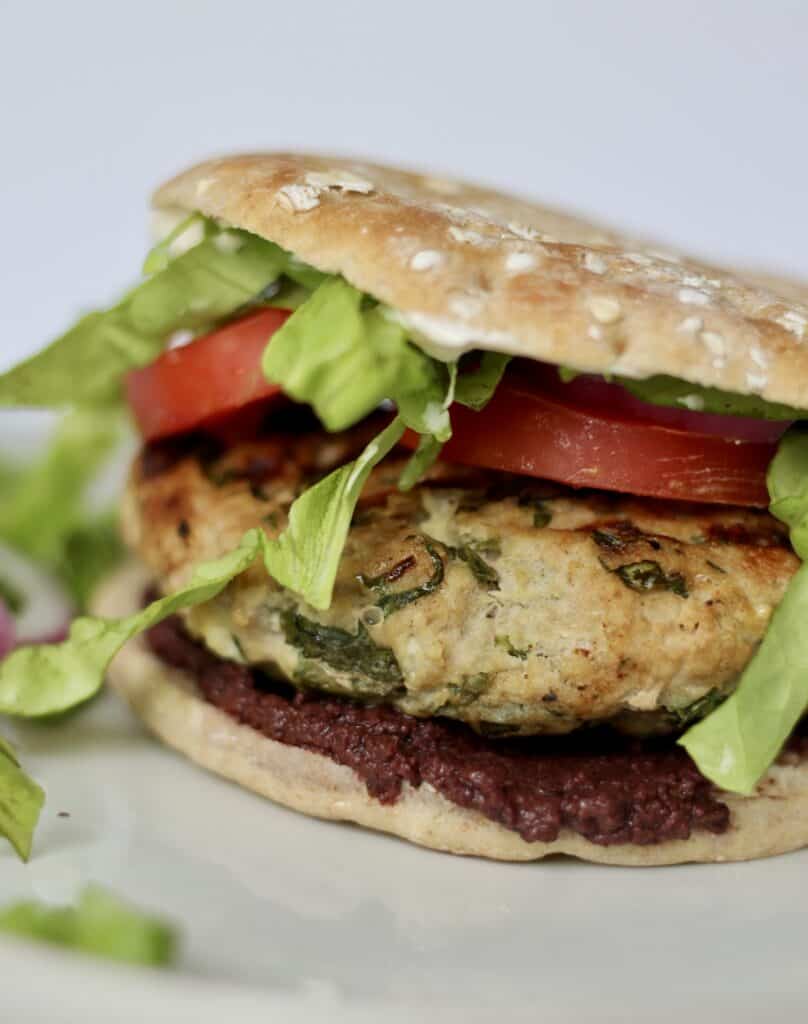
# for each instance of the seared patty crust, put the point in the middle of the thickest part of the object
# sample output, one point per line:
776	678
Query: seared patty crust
516	606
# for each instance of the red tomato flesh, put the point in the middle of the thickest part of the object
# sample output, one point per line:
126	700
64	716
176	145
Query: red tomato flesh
587	433
205	380
592	434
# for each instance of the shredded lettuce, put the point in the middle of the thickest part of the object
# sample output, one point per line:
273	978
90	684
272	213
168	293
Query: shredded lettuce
787	481
87	364
21	801
51	678
92	549
99	924
344	358
663	390
681	394
306	556
159	256
45	514
735	745
46	499
420	462
476	388
473	389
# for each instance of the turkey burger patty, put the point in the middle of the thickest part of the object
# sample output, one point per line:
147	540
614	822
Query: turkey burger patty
513	605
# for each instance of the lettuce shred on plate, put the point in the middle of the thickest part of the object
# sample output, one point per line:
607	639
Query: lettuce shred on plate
21	800
99	924
344	353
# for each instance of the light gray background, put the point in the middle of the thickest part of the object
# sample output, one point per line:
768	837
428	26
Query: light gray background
685	120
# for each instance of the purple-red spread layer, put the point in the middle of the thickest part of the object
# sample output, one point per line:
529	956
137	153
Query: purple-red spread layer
606	787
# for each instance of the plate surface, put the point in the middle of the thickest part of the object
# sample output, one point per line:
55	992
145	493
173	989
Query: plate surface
311	921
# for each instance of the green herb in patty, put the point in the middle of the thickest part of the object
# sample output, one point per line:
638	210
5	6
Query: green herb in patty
698	709
542	514
343	651
506	644
390	602
647	575
485	574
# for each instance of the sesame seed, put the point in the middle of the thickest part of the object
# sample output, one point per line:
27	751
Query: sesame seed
426	259
595	332
468	236
524	231
595	263
203	185
691	325
343	181
298	198
693	297
465	305
759	357
694	280
639	258
794	322
605	309
756	381
515	262
713	340
716	347
665	255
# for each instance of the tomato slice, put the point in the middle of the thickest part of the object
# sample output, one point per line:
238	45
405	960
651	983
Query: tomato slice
587	433
593	434
206	379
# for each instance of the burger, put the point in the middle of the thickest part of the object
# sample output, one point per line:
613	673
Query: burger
455	517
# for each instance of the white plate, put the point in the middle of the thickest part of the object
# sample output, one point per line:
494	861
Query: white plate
285	918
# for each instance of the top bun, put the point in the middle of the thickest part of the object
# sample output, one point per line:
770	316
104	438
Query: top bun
468	267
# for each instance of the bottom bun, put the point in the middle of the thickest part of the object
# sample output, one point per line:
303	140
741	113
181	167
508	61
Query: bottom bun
773	821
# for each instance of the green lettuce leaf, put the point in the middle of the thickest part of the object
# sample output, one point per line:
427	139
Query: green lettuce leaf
735	745
12	597
99	924
787	481
159	256
51	678
672	391
475	389
193	291
21	801
420	462
344	359
306	556
45	500
427	413
45	515
663	390
91	549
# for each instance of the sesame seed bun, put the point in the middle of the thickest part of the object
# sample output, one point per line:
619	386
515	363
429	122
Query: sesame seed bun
467	267
773	821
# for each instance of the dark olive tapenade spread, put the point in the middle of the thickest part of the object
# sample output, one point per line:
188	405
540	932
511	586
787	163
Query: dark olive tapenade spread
608	788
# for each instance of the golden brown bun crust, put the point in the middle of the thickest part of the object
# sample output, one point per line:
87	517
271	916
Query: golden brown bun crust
774	821
468	267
